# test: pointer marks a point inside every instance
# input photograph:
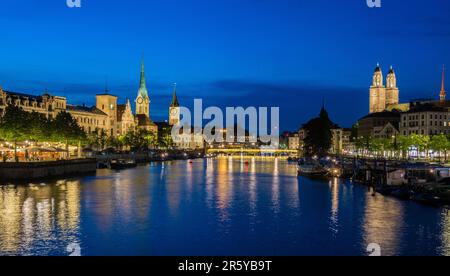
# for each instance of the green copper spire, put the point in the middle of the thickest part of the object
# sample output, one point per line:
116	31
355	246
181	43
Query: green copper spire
174	97
143	86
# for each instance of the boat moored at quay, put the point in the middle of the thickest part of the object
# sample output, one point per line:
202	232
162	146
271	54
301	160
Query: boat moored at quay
426	183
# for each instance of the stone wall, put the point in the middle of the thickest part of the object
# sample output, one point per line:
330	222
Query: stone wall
40	170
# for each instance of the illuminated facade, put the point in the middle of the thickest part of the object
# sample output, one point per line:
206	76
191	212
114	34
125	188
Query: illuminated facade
381	96
125	118
174	109
425	119
107	115
45	104
142	101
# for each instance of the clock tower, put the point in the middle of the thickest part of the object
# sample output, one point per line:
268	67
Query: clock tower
174	109
143	101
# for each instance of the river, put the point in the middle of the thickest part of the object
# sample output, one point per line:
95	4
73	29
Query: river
223	206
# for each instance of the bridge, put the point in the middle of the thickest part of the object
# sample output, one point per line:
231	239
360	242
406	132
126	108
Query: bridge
237	151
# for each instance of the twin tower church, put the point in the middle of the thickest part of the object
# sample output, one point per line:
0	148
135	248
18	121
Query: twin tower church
383	96
386	97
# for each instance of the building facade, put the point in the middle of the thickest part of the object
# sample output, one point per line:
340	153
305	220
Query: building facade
425	119
44	104
294	141
107	103
381	96
125	118
341	141
107	115
90	119
372	125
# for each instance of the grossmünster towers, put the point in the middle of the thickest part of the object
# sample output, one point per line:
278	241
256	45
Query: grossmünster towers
383	96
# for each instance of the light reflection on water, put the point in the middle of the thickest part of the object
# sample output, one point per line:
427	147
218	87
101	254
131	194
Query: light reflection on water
227	206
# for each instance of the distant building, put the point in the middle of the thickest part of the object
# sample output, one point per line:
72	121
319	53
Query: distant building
125	118
45	104
294	141
90	119
340	142
375	125
107	103
425	119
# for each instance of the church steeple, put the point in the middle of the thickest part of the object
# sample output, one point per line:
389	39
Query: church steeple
175	102
443	94
142	99
174	108
143	85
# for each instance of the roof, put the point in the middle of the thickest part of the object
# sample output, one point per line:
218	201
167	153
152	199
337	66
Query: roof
120	111
175	102
85	109
378	68
144	121
427	108
22	95
384	114
106	94
142	83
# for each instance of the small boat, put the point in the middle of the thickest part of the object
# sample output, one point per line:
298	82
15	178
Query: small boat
311	168
122	164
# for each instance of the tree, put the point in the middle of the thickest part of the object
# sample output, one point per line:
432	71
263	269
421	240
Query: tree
151	139
421	143
98	139
439	143
165	137
318	135
65	128
38	129
404	143
14	126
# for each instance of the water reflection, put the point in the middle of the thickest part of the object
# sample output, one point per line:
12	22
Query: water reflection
383	221
334	218
36	215
226	206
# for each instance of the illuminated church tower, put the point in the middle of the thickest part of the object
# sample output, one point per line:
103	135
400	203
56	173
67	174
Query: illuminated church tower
174	109
142	100
392	92
377	92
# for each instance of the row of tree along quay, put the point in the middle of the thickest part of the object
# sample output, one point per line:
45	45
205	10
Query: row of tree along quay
24	133
407	167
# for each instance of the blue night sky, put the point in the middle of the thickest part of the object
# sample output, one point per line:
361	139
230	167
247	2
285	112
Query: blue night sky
286	53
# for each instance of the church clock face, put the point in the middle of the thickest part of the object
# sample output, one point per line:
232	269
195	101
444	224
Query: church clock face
174	112
140	100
